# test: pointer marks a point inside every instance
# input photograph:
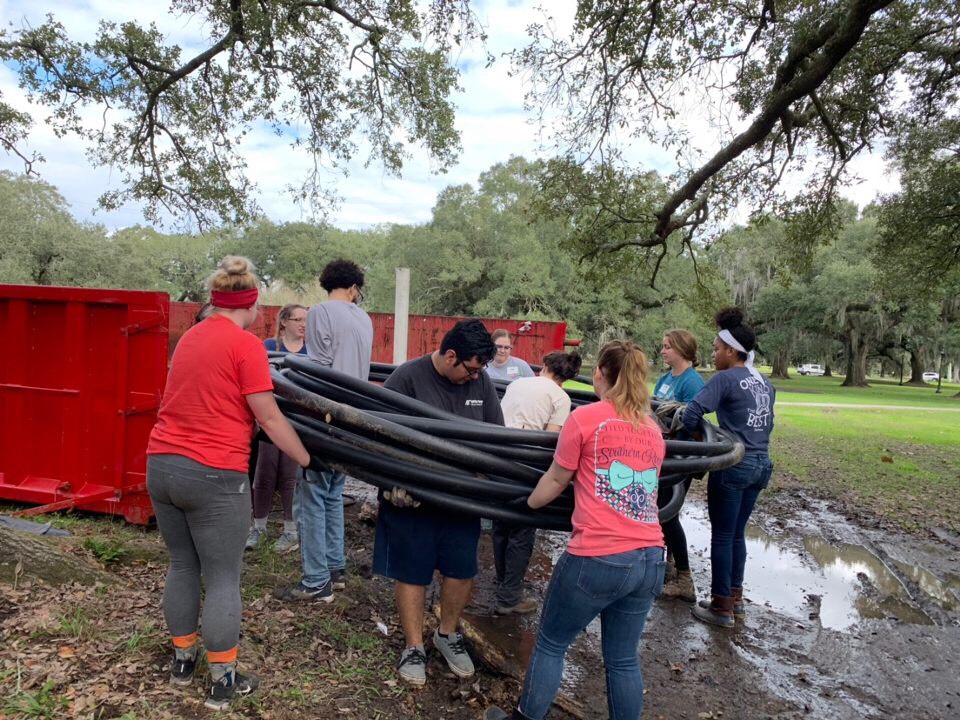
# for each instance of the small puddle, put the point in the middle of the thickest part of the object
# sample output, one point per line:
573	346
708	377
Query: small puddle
852	583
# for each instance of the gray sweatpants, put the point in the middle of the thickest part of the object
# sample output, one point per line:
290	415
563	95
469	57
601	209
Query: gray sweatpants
204	518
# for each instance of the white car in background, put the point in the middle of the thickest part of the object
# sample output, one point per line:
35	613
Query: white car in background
931	377
810	369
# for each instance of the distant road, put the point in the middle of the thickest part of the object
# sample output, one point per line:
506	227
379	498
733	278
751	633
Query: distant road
856	406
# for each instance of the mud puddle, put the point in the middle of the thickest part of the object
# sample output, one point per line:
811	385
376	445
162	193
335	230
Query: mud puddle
807	576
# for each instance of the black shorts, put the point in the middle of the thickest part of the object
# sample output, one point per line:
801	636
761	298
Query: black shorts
413	542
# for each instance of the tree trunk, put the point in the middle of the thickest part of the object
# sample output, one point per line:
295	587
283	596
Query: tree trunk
23	555
827	372
916	367
857	347
781	364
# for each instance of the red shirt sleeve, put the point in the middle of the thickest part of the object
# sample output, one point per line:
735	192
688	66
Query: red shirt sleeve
253	370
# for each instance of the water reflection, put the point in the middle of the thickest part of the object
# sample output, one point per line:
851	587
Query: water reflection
850	581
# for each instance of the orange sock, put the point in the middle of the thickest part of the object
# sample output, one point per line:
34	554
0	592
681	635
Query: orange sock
224	656
182	642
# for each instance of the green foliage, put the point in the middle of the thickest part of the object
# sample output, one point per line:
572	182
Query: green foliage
324	75
785	91
106	550
44	702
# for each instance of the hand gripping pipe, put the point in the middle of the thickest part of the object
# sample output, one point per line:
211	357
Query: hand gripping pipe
393	441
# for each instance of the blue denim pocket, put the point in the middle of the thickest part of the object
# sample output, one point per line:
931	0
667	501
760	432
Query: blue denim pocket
602	579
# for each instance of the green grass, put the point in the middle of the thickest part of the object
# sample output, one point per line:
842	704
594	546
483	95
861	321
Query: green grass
881	392
40	703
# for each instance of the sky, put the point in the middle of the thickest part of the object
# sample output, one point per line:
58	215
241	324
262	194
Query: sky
490	117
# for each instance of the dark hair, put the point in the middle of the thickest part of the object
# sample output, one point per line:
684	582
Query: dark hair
341	274
561	365
624	366
469	339
731	318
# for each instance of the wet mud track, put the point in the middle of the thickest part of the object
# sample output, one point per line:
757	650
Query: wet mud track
843	621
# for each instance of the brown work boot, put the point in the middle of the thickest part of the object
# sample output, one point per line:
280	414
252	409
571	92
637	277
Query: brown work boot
739	610
680	587
717	611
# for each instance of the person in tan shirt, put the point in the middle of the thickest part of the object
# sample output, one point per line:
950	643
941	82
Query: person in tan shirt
535	403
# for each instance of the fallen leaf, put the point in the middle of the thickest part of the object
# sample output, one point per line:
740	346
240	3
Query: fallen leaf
886	459
66	651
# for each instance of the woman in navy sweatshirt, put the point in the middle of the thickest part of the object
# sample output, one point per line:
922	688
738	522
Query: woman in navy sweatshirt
743	400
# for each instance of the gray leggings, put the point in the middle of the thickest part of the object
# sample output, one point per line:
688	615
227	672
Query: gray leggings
204	518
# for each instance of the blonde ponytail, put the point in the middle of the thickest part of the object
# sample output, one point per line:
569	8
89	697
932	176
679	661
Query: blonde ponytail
624	366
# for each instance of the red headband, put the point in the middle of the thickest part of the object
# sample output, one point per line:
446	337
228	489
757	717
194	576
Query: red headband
234	299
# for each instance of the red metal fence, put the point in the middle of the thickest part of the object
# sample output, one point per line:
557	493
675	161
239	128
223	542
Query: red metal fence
82	377
532	339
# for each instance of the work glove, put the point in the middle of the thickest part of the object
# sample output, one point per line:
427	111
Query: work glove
670	415
317	465
401	498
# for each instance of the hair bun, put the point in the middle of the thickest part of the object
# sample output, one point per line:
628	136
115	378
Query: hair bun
729	318
236	265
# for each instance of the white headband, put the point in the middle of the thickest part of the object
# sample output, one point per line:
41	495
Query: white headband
730	340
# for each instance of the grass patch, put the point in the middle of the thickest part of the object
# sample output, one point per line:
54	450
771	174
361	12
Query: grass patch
43	702
144	638
75	624
107	550
899	465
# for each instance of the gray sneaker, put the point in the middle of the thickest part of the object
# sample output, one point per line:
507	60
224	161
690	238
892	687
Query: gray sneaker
454	651
287	542
413	666
253	539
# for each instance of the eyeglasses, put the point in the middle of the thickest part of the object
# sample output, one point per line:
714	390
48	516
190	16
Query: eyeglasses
359	300
504	347
303	319
472	371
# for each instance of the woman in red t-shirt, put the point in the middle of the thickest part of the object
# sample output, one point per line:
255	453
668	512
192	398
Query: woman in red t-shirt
199	450
613	567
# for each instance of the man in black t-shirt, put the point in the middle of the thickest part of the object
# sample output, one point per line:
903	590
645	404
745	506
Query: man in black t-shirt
413	540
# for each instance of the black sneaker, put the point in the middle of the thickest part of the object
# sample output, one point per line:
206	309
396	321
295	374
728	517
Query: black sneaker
231	686
303	592
338	578
181	672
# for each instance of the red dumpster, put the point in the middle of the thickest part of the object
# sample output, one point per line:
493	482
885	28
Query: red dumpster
80	383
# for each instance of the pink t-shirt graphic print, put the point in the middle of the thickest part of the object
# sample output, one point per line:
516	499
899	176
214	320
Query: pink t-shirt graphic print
615	487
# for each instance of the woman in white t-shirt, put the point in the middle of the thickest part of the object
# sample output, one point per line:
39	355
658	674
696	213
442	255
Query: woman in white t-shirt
534	403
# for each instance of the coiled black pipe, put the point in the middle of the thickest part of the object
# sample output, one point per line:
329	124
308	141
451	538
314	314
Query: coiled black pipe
457	464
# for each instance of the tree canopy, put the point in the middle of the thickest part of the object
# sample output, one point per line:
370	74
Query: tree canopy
797	88
323	73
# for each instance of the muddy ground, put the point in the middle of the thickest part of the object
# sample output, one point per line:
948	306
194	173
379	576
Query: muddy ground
847	618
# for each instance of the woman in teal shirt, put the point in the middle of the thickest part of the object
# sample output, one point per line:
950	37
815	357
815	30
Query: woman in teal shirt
680	384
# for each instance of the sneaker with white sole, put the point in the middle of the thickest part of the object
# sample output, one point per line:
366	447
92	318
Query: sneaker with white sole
339	579
454	651
324	593
413	666
287	542
182	670
230	687
254	538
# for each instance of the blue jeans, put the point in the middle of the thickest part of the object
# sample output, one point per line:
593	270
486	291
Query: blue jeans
620	589
731	495
318	508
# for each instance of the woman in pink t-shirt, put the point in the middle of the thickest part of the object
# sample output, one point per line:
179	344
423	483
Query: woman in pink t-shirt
613	567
